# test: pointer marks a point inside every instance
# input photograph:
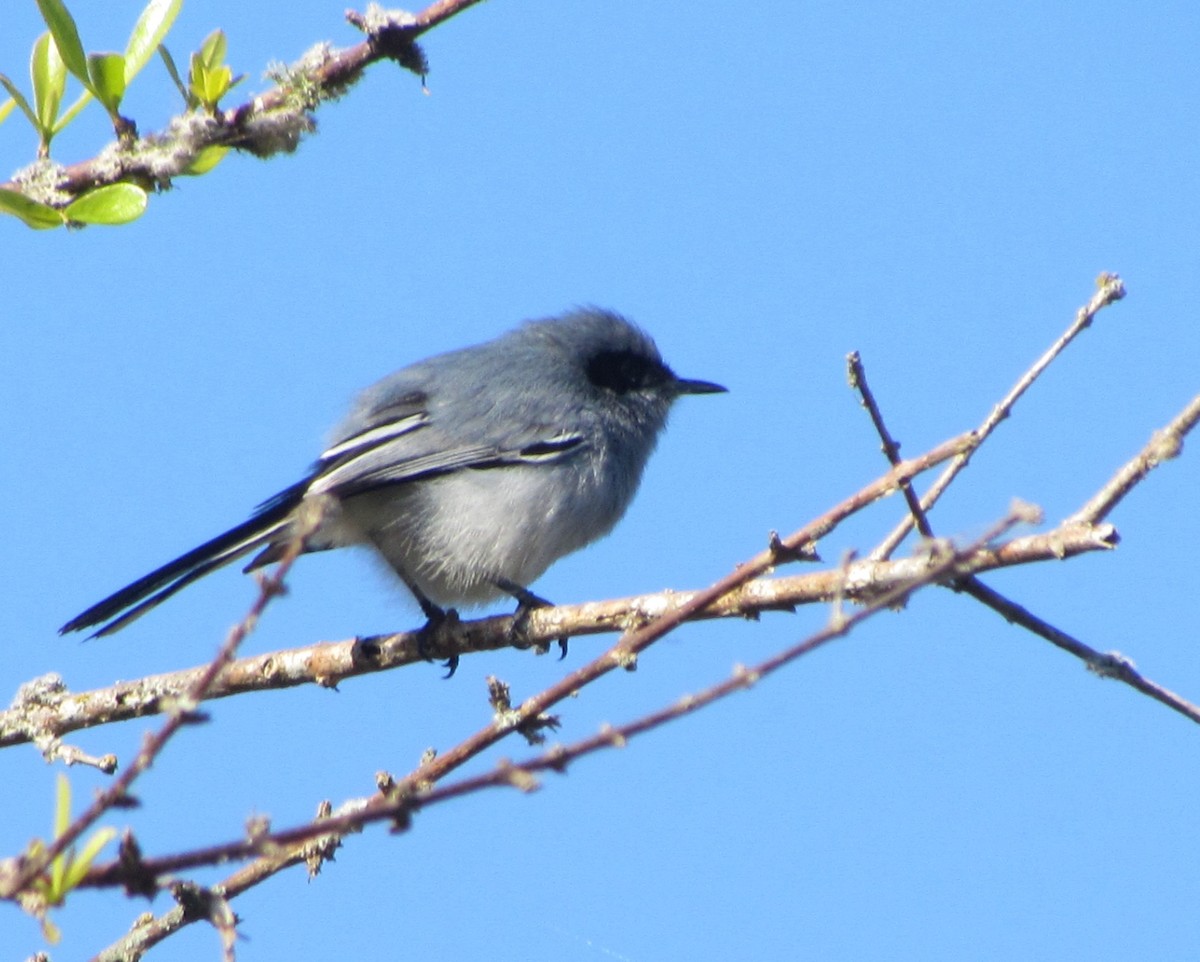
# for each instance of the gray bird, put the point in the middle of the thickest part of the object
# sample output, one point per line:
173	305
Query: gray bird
470	472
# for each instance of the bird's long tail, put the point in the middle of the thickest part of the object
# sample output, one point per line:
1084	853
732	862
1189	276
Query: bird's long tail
265	526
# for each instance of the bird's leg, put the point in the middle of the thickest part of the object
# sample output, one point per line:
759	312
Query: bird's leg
436	618
527	601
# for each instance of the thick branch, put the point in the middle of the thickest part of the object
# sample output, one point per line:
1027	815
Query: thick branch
396	801
43	711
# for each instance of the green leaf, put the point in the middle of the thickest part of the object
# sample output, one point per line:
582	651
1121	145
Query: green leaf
62	821
216	83
195	69
83	861
114	204
19	98
212	50
198	81
169	63
62	805
107	71
206	160
50	931
148	33
66	35
49	75
6	108
209	79
36	215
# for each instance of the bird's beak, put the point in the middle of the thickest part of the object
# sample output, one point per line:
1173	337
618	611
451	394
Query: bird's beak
684	386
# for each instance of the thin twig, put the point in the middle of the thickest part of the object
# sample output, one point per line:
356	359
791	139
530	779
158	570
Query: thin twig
1107	665
890	446
1162	446
936	570
1110	288
181	713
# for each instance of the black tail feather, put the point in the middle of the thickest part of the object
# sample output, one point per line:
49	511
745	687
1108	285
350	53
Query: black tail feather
147	592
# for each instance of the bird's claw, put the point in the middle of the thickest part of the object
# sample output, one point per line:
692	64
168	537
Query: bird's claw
527	602
437	619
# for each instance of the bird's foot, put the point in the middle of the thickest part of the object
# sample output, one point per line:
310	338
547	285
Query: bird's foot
436	621
527	602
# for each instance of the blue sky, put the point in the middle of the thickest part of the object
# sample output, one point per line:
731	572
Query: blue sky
765	188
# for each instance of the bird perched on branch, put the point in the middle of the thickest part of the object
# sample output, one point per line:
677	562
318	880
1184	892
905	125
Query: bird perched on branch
470	472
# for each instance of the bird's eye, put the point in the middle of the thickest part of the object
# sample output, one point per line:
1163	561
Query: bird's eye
625	371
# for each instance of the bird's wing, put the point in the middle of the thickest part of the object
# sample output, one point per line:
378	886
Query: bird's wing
379	456
404	429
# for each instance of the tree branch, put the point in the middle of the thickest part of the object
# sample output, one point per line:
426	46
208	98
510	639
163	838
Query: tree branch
1163	445
397	801
1109	289
269	123
43	711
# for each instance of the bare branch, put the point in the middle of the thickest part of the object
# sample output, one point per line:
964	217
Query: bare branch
398	800
181	712
1107	665
1110	288
889	445
331	662
44	712
1162	446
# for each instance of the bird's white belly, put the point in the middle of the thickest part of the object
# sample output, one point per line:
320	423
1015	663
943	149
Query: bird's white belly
455	536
